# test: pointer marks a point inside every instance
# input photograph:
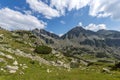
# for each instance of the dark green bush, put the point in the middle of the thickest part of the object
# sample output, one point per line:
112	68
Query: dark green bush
43	49
32	62
116	66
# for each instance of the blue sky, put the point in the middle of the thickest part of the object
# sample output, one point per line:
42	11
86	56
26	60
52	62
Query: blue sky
59	16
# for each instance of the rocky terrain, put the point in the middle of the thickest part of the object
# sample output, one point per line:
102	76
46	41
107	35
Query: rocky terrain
79	51
103	43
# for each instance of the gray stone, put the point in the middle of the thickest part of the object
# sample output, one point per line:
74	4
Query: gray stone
12	69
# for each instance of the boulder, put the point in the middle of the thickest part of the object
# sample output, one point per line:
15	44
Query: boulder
12	69
84	62
2	54
48	70
15	63
60	62
9	57
105	70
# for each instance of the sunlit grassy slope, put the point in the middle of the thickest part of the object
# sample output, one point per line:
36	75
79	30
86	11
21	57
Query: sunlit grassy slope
39	72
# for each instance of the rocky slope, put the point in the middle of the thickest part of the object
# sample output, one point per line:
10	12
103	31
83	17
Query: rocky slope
18	45
103	43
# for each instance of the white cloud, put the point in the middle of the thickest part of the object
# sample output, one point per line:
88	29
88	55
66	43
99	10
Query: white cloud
105	8
98	8
57	8
77	4
41	7
80	24
95	27
13	20
62	5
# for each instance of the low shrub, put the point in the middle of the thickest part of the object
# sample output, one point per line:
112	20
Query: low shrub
116	66
43	49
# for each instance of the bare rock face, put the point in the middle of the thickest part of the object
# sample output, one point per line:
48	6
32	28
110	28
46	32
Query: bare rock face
102	42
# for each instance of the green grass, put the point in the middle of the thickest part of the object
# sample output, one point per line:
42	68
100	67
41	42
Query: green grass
39	72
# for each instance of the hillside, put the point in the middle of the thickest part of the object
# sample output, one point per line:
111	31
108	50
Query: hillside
19	61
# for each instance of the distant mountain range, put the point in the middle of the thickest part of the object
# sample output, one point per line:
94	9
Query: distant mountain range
103	43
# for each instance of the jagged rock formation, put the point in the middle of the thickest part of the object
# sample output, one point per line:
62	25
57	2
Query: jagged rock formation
103	43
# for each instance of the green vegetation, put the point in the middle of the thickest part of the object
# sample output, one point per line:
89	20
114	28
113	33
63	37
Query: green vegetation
38	71
24	41
43	49
116	66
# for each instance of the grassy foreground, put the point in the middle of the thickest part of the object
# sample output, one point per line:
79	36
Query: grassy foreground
38	71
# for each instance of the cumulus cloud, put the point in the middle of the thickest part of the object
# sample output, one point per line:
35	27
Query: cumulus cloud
77	4
13	20
44	9
98	8
62	5
95	27
57	8
105	8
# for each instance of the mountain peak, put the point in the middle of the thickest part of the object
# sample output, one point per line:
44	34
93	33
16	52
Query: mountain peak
79	27
75	32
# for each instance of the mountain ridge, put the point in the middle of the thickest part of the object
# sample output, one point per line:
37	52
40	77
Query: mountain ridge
102	41
79	41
